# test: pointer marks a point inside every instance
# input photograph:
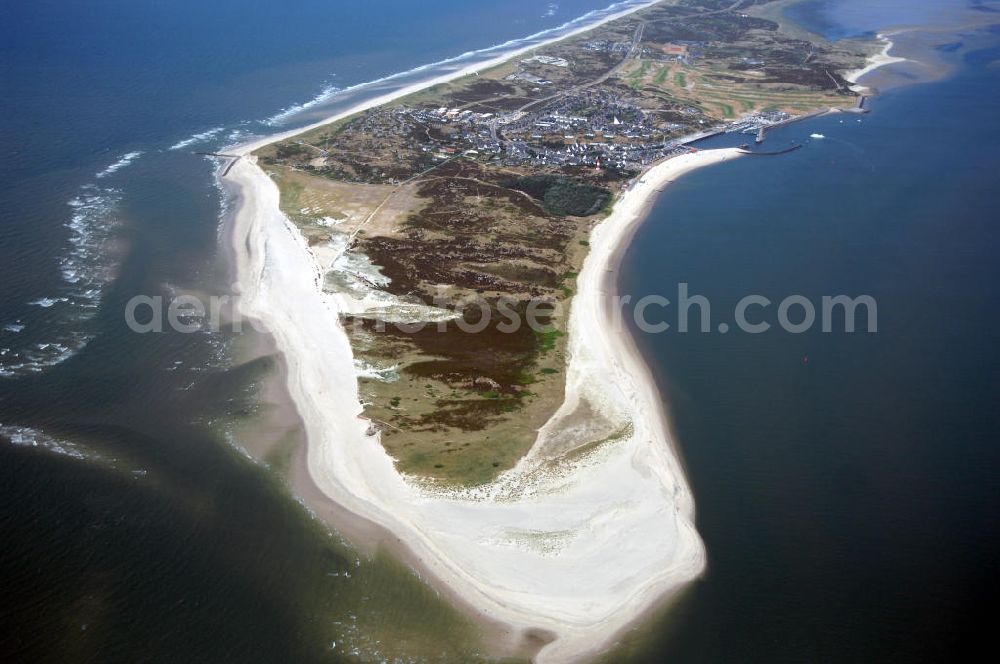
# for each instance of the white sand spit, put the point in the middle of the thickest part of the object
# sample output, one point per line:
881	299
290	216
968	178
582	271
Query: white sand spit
580	548
582	551
880	59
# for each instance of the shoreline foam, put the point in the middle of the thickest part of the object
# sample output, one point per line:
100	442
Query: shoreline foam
256	144
331	91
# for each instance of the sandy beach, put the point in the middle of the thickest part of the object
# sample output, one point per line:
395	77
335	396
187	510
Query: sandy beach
880	59
577	551
580	553
256	144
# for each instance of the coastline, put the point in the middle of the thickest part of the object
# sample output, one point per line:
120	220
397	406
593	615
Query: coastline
875	61
474	544
655	509
250	146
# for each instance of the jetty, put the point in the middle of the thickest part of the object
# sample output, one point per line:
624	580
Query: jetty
793	148
235	158
860	107
700	136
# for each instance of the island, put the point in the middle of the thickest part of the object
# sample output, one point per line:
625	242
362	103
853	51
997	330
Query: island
437	268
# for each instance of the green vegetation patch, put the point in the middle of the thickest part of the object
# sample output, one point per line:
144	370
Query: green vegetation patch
562	195
547	339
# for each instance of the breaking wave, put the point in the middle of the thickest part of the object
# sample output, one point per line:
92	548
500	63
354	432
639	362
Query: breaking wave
85	269
196	138
465	59
28	437
122	162
289	111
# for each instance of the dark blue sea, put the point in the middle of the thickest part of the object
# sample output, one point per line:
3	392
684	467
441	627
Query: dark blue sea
846	484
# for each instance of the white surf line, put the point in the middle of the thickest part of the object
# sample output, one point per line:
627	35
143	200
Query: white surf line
196	138
122	162
469	70
588	21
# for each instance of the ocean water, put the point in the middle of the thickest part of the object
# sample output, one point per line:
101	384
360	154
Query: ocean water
104	104
847	502
840	19
846	485
134	528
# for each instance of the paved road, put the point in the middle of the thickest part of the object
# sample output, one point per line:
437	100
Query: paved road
632	53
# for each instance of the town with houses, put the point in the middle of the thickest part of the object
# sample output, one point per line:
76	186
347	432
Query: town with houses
592	128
